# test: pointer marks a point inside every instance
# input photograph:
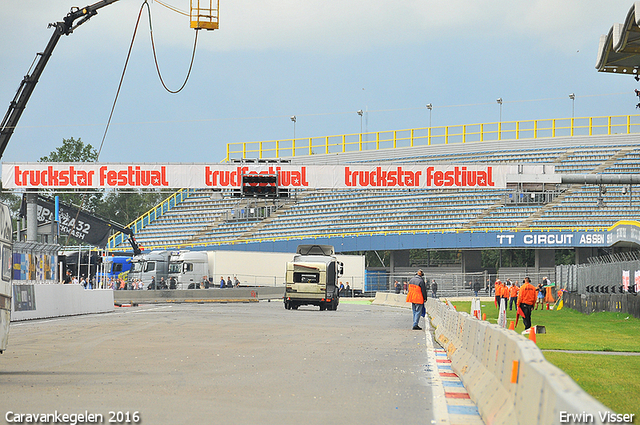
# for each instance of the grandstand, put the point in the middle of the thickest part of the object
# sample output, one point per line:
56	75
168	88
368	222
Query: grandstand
392	219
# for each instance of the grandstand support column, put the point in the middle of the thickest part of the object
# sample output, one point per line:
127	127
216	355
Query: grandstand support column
544	259
471	261
583	254
32	215
398	258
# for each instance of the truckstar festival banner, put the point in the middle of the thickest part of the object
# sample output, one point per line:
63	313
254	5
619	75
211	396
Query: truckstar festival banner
61	175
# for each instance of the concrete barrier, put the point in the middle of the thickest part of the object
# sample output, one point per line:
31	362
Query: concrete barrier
391	299
198	295
42	301
483	355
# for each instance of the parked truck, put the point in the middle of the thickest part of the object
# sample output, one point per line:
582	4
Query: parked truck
188	268
115	266
146	267
312	278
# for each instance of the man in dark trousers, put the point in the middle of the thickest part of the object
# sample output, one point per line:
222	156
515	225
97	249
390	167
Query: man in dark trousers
417	296
526	299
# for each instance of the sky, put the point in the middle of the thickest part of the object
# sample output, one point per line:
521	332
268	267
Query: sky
320	60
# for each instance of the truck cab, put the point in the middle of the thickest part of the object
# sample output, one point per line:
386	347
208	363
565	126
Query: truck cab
187	268
144	267
312	278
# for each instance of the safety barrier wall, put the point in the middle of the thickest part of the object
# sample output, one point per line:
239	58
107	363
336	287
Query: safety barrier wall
42	301
392	299
199	295
531	391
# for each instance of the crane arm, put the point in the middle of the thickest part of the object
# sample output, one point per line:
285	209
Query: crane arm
132	239
28	83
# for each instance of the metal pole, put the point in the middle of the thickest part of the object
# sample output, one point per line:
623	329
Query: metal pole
79	260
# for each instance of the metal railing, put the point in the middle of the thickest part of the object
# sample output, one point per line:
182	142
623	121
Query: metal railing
427	136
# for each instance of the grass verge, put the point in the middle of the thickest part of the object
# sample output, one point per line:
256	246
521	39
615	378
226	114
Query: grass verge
612	380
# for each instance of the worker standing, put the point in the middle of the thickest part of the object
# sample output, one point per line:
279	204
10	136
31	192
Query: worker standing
513	295
526	300
417	296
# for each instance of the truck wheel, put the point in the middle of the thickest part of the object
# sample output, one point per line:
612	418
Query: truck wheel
323	306
287	305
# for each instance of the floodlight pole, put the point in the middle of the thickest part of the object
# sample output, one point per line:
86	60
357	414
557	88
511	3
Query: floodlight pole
572	96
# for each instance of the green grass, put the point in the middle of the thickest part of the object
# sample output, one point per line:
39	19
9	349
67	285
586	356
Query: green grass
570	330
612	380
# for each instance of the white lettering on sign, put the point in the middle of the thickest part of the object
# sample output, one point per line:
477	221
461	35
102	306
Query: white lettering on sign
509	239
548	239
592	239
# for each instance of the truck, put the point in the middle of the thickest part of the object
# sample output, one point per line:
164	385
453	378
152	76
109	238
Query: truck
312	278
114	266
146	267
250	268
187	268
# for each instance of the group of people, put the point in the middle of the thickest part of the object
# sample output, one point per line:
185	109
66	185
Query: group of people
223	284
526	297
508	291
345	291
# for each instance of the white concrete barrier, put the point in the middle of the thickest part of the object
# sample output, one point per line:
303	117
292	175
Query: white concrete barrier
392	299
483	355
59	300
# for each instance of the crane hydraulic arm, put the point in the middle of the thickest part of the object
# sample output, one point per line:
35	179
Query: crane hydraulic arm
28	84
132	239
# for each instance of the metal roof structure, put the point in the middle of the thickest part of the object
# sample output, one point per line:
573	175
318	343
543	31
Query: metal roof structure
619	50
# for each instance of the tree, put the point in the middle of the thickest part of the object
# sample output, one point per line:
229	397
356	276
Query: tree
125	207
73	150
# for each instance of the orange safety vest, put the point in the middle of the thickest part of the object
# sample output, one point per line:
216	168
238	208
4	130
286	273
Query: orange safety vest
528	294
514	291
415	295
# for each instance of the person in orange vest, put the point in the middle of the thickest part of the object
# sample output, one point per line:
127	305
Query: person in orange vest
505	294
417	296
526	300
498	292
513	295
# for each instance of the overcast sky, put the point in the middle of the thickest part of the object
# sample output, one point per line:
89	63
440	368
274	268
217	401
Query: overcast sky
321	60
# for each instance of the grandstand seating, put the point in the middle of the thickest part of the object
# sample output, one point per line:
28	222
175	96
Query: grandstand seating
202	218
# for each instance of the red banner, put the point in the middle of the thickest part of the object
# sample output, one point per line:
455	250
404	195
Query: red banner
379	176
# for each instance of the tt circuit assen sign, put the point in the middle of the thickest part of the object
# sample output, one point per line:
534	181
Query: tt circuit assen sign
379	176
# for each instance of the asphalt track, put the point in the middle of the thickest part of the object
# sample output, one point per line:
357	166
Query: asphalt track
226	364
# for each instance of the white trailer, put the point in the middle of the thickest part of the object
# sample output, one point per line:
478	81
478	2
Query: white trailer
249	267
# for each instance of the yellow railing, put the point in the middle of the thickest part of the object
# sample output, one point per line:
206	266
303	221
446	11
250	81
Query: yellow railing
464	133
145	219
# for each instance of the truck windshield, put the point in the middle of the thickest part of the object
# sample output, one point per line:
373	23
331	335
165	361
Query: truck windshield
305	277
